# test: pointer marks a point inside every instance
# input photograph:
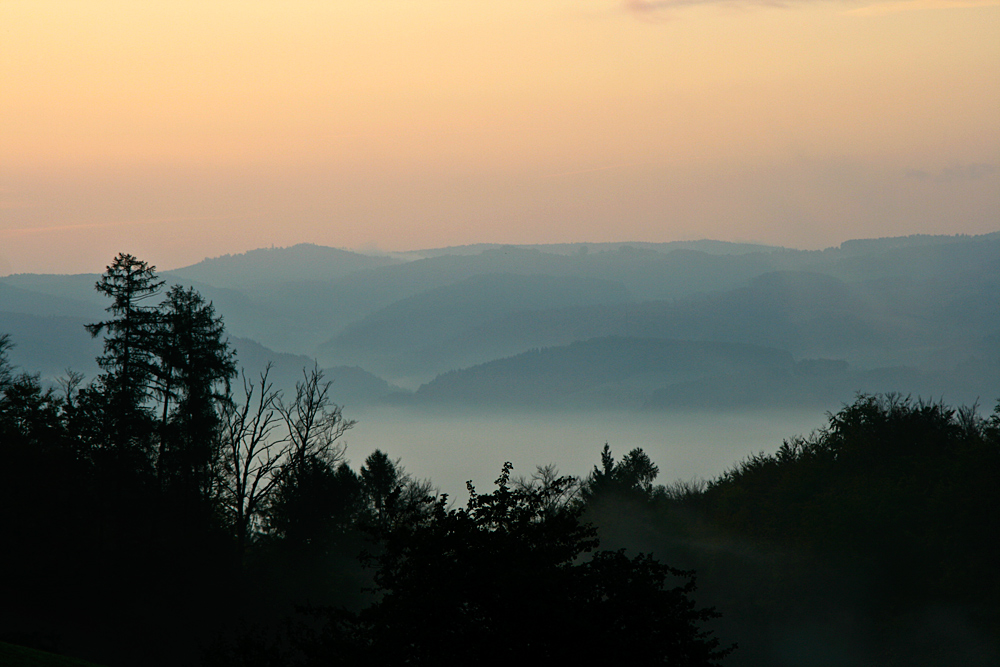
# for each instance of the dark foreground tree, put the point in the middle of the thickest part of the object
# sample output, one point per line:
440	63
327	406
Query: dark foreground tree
195	365
129	347
507	579
251	455
6	371
631	478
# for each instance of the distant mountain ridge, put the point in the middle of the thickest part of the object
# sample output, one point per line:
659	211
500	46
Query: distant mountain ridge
350	386
433	316
304	262
923	305
703	245
51	344
600	372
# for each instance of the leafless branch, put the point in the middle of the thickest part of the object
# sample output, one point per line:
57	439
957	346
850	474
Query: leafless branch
315	423
253	453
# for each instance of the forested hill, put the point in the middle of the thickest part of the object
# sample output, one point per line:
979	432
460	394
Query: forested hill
404	330
304	262
599	373
905	313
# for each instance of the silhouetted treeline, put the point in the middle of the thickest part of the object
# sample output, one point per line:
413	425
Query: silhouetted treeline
873	541
160	515
173	512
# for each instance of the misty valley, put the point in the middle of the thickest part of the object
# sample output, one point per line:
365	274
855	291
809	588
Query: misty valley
452	447
690	453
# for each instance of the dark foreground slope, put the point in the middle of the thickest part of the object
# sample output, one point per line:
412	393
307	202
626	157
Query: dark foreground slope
873	541
12	655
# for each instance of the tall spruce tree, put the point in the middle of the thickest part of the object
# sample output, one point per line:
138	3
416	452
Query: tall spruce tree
194	367
129	347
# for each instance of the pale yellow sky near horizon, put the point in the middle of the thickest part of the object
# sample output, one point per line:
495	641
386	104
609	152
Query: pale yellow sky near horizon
179	130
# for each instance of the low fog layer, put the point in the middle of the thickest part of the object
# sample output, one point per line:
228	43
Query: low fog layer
452	447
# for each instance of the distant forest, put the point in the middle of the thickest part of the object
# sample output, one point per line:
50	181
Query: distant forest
470	327
177	511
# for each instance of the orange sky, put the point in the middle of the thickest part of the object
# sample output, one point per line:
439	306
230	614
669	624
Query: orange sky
180	129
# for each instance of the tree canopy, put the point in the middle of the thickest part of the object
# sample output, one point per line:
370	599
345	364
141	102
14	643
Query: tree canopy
508	576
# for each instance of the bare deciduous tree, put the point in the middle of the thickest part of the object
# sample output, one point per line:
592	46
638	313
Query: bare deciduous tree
253	451
557	492
266	442
315	423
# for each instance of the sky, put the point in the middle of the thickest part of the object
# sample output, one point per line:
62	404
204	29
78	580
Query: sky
178	130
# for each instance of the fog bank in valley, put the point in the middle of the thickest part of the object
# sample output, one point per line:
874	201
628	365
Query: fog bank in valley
450	447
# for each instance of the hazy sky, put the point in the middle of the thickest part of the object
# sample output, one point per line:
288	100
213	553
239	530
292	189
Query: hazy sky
176	130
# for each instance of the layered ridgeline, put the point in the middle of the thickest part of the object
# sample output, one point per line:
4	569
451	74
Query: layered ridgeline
912	314
600	373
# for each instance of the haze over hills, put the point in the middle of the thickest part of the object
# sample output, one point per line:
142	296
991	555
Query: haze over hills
611	372
392	339
897	314
703	245
51	344
304	262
